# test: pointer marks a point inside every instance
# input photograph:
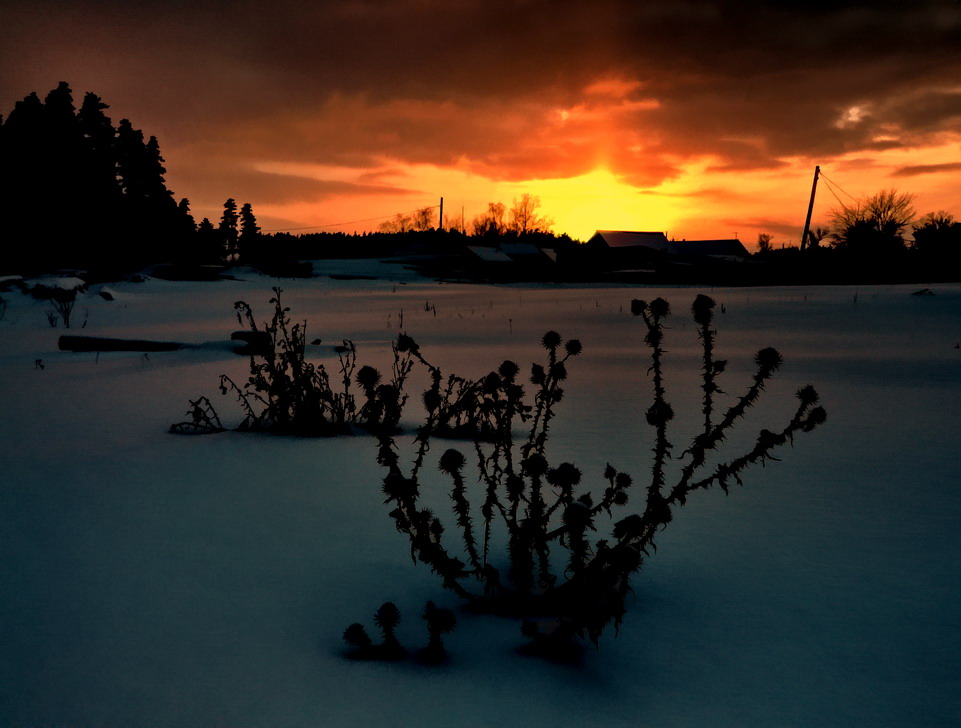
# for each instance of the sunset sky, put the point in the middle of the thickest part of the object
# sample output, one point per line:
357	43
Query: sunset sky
698	118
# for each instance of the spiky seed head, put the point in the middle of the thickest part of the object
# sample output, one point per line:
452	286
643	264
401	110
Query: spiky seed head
564	475
660	308
768	360
620	498
630	527
368	377
659	413
491	383
395	486
625	558
703	309
623	480
451	461
816	417
808	395
638	306
559	372
537	374
387	616
573	347
406	343
766	439
535	465
551	340
508	370
357	636
439	620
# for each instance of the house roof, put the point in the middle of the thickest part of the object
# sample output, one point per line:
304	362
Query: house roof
520	249
629	239
724	248
488	254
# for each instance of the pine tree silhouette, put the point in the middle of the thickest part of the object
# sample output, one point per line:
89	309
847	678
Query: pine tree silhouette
228	229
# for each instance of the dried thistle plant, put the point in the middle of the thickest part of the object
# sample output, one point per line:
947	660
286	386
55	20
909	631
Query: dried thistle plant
543	508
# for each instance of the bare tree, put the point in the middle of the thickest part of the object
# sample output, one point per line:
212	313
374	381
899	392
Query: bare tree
418	221
884	210
524	218
490	222
764	242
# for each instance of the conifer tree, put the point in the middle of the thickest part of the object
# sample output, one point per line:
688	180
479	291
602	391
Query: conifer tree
184	244
21	181
210	244
101	194
228	228
249	239
61	156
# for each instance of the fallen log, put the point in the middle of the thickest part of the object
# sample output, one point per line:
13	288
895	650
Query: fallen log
101	343
241	342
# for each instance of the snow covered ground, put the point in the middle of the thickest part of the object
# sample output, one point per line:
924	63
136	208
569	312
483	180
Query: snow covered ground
149	579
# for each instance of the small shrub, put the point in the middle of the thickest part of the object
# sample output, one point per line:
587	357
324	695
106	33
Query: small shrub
543	508
285	393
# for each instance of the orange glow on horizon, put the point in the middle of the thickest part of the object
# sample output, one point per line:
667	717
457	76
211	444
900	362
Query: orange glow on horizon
700	202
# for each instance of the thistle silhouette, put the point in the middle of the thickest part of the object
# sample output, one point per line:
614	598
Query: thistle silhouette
540	507
387	617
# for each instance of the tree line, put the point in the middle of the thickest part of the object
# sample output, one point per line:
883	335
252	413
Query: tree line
523	218
76	191
880	236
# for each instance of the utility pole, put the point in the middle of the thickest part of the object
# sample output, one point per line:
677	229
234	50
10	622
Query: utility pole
807	220
440	219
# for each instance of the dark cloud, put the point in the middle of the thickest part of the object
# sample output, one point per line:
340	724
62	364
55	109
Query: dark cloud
918	169
361	83
210	182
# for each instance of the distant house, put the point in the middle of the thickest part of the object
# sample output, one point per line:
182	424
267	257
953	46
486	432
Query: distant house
489	255
527	252
627	250
624	239
730	250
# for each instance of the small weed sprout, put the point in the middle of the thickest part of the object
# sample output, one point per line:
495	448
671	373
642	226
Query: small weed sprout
63	302
439	622
386	618
542	507
203	419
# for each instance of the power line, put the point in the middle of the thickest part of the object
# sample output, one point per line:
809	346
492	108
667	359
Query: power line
351	222
832	182
830	187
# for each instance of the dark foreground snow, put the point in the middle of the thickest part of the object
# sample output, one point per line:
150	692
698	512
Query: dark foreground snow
148	579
